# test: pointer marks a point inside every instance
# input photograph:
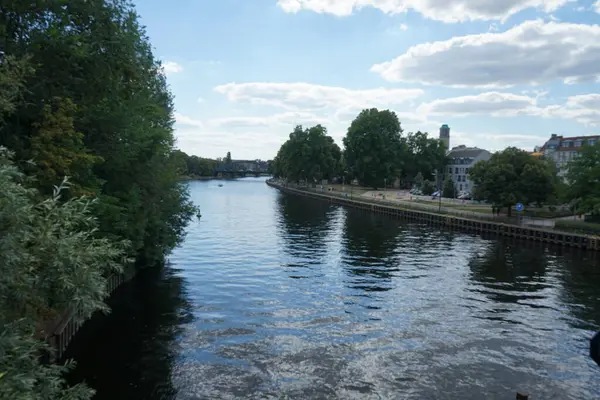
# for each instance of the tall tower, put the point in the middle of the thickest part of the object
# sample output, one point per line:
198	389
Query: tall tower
445	136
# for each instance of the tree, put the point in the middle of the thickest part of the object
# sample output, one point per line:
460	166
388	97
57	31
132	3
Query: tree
423	155
51	259
512	176
228	158
419	180
374	147
583	176
308	154
93	76
449	190
58	150
428	188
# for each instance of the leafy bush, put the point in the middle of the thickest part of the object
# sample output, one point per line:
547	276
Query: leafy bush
51	259
427	188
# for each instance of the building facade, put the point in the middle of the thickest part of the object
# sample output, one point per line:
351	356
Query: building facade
461	160
445	136
561	150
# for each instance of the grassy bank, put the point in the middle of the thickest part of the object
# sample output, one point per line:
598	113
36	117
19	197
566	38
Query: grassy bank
578	226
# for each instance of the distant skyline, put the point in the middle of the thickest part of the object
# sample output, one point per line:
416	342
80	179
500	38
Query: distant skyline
500	73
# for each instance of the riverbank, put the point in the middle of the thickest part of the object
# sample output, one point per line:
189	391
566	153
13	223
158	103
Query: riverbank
517	226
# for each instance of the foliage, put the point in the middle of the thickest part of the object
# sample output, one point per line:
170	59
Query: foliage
193	166
58	150
308	154
374	147
513	176
90	74
81	94
51	259
583	175
419	180
449	190
422	155
228	158
428	188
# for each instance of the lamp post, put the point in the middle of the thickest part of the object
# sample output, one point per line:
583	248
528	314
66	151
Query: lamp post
440	187
384	187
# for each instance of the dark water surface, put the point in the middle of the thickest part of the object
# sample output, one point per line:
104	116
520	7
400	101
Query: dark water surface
274	296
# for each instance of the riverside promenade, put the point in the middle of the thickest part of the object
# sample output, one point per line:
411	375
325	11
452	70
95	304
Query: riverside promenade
516	226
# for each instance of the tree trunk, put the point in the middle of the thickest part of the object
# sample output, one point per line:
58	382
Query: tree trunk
509	210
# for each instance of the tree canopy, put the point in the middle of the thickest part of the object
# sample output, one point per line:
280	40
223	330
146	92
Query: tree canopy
374	147
422	155
583	176
81	95
308	154
512	176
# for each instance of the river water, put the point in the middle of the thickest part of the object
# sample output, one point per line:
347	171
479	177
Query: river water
274	297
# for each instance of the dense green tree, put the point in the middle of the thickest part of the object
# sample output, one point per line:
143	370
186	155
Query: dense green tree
58	150
228	158
51	259
308	154
194	166
428	188
513	176
90	73
81	94
423	155
419	180
583	176
449	190
374	147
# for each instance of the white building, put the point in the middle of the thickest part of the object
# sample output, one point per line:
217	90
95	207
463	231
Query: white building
561	149
461	160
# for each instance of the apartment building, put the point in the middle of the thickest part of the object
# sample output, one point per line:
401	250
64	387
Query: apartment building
461	160
561	149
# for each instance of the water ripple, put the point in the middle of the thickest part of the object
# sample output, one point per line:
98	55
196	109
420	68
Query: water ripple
286	297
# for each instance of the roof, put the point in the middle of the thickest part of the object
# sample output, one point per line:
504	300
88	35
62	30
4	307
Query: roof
580	137
462	151
537	154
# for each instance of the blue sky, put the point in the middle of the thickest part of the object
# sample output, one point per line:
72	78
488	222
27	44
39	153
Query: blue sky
499	72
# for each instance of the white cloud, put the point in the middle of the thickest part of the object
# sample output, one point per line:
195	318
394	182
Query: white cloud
496	141
181	119
581	108
597	6
530	53
200	100
288	119
306	96
171	67
584	108
403	27
442	10
489	103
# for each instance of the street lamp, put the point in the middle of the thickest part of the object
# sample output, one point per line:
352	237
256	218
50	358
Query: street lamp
384	187
440	186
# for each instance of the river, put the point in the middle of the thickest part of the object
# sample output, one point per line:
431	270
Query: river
274	296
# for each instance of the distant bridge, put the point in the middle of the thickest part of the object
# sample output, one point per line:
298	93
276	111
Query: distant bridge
242	168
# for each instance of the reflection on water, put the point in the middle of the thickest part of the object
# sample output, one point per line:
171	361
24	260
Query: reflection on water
274	296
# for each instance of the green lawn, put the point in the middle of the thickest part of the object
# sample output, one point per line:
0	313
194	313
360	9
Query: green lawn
577	226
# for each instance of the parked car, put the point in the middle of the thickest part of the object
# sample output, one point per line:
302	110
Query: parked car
464	196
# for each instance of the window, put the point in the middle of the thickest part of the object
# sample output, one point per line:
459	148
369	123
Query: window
591	142
460	186
456	170
578	143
